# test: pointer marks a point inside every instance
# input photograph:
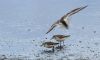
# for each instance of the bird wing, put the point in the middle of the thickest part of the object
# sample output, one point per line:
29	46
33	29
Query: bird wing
73	12
65	24
51	28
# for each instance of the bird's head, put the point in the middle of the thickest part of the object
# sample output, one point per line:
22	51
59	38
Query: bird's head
43	44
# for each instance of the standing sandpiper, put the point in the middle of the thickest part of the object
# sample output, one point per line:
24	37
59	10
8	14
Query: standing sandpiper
60	38
50	45
64	20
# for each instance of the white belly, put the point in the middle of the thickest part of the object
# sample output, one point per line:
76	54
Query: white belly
60	25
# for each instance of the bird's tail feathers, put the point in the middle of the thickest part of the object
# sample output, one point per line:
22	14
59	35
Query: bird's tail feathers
56	43
67	36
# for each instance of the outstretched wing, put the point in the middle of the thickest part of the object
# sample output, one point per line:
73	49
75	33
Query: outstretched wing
73	12
51	28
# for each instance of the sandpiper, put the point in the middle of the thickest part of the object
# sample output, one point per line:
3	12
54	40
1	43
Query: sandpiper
64	20
60	38
50	45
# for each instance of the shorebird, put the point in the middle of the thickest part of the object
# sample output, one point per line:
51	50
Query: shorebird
64	20
60	38
50	45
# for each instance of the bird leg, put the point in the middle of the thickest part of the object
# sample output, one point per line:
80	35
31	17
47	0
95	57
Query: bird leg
60	44
53	49
63	43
